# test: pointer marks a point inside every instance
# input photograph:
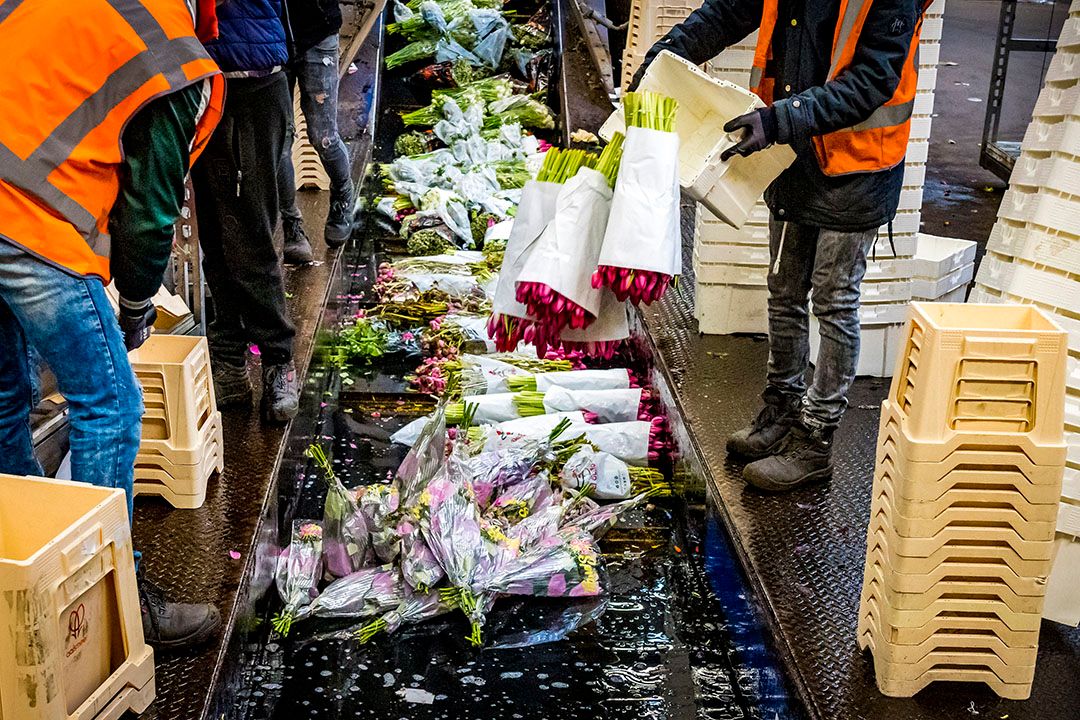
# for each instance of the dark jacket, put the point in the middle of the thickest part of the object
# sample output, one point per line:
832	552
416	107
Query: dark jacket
312	22
802	54
251	36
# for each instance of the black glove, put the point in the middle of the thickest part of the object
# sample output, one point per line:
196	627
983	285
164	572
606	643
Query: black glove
761	131
136	321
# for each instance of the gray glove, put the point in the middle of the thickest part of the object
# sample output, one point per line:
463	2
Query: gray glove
136	321
760	128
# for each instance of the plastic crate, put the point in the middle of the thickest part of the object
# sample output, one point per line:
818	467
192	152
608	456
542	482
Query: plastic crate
939	289
1065	65
904	246
307	165
1035	244
708	229
729	189
1058	100
182	442
983	294
1055	171
731	309
1049	135
886	291
68	574
722	274
989	374
914	173
1070	34
888	269
1024	279
649	21
936	257
732	254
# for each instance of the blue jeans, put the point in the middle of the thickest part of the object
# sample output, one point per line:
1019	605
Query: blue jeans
69	323
316	73
825	268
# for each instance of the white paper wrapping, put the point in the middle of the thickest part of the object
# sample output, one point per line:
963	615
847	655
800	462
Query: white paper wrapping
614	379
607	473
505	433
611	323
491	409
628	441
610	406
458	286
565	256
408	435
643	231
536	210
492	372
499	231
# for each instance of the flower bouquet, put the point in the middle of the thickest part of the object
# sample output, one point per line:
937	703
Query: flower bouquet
562	564
360	594
609	478
613	379
642	251
415	608
608	406
298	571
346	539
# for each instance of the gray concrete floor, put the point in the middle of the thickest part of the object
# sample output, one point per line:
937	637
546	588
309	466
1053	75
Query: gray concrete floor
961	198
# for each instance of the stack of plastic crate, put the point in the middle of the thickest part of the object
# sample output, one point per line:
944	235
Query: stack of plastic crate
943	268
649	21
964	501
181	446
731	293
307	165
1033	257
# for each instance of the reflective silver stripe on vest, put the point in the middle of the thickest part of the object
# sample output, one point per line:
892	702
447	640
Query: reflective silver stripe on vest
8	7
755	76
119	86
886	116
847	25
149	30
14	171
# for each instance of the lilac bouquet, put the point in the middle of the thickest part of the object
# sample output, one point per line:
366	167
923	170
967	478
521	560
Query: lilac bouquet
298	572
416	607
346	539
563	564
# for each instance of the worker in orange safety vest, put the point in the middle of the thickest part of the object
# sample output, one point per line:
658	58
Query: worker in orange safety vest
104	104
838	79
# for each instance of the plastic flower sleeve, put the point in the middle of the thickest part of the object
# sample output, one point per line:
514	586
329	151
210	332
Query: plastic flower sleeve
346	539
482	375
598	520
560	565
419	566
415	608
510	318
298	572
362	594
608	476
608	405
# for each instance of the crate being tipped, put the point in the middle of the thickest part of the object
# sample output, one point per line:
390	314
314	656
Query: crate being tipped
73	644
181	446
728	189
965	500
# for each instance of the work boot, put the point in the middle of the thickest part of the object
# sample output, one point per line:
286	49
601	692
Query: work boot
232	386
281	392
805	458
766	434
297	249
339	223
169	625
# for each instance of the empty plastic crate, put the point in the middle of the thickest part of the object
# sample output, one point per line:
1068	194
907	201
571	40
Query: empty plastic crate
936	257
1055	171
982	374
1050	135
1064	66
878	345
729	189
724	274
1035	244
936	289
1024	279
68	576
649	21
889	269
733	254
886	291
307	165
181	442
1058	100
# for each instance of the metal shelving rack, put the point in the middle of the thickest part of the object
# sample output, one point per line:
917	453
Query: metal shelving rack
999	156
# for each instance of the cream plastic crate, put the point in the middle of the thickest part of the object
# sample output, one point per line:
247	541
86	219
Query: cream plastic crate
878	347
731	309
886	291
1017	277
913	652
720	274
1062	601
67	569
182	486
978	577
987	626
1009	520
1060	251
888	313
945	596
982	294
307	165
883	250
649	21
709	253
724	234
1070	34
911	198
936	257
920	127
1065	66
1046	135
1058	100
729	189
990	373
1055	171
174	371
938	290
888	269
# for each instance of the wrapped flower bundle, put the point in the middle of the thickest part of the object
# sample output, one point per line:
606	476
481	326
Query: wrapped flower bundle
415	608
361	594
298	571
346	539
613	379
642	248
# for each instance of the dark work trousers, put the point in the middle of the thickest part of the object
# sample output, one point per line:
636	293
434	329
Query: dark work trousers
236	202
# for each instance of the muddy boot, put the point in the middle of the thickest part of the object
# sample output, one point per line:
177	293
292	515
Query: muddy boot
232	386
297	246
169	625
281	392
766	434
805	458
339	223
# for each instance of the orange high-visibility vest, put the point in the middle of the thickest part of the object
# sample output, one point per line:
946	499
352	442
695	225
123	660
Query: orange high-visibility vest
74	74
880	141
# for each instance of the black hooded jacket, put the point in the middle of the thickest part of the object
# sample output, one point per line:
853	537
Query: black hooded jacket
312	21
806	104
